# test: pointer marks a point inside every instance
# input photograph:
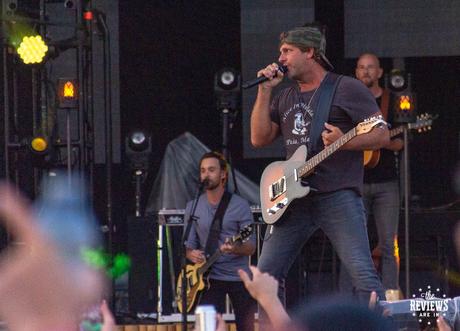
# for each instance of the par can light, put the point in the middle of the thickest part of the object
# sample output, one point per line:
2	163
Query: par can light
32	49
39	145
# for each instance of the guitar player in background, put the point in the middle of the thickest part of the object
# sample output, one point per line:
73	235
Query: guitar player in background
381	185
335	205
201	243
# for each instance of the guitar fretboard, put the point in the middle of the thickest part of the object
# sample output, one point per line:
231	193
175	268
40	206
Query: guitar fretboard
396	131
214	257
307	167
209	262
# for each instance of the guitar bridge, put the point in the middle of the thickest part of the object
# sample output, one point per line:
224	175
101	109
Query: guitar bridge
277	188
277	207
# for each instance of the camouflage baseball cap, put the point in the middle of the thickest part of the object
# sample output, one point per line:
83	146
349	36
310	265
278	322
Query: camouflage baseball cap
310	37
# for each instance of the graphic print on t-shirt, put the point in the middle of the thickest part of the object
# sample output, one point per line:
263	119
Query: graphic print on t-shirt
300	127
297	120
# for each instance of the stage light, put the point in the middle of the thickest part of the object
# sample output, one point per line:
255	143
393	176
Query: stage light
32	49
405	103
69	90
68	93
227	79
138	146
138	141
403	99
227	87
404	107
69	4
9	7
88	15
38	144
398	80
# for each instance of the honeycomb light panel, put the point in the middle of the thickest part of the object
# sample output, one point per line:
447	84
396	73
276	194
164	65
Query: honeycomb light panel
32	49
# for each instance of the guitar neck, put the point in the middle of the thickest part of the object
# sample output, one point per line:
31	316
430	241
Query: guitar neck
244	233
214	257
307	167
396	131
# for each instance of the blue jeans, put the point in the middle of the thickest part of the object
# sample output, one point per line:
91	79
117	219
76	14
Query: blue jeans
382	201
342	218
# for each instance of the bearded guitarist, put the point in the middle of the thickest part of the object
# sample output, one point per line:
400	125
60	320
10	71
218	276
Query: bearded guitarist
381	186
210	232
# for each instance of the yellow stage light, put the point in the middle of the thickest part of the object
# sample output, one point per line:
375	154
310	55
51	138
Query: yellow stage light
69	90
68	93
39	144
404	102
32	49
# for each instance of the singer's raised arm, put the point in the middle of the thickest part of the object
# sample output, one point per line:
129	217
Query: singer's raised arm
263	129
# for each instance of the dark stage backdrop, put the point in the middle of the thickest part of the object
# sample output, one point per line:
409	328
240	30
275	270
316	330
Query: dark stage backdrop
402	28
170	52
261	24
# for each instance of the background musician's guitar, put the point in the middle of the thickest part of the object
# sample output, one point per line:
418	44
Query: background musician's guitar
423	123
195	273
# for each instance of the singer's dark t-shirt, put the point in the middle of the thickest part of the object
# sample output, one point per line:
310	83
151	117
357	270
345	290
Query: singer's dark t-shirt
353	102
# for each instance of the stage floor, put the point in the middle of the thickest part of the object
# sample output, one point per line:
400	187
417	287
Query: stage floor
169	327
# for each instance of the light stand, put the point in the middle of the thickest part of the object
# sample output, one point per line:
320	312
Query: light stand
68	101
227	88
138	145
138	151
138	177
225	131
404	113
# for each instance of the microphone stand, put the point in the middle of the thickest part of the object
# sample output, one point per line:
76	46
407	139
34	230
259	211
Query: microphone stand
184	257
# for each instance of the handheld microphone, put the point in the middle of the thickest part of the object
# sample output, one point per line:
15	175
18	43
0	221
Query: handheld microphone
261	79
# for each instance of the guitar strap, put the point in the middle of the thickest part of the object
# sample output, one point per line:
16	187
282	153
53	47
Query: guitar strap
328	88
384	102
214	232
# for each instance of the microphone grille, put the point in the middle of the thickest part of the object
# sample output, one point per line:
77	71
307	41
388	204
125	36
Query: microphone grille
283	69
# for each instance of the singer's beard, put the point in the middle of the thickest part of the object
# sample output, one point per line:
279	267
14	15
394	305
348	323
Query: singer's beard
212	185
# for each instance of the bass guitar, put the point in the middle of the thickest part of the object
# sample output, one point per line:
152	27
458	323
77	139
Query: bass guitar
423	124
195	273
281	180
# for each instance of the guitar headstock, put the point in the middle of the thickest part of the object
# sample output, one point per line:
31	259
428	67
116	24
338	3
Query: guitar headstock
423	122
369	123
244	234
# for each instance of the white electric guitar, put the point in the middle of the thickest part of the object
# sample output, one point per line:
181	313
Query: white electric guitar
281	180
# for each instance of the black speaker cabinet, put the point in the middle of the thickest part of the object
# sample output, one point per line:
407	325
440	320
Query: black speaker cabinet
142	275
